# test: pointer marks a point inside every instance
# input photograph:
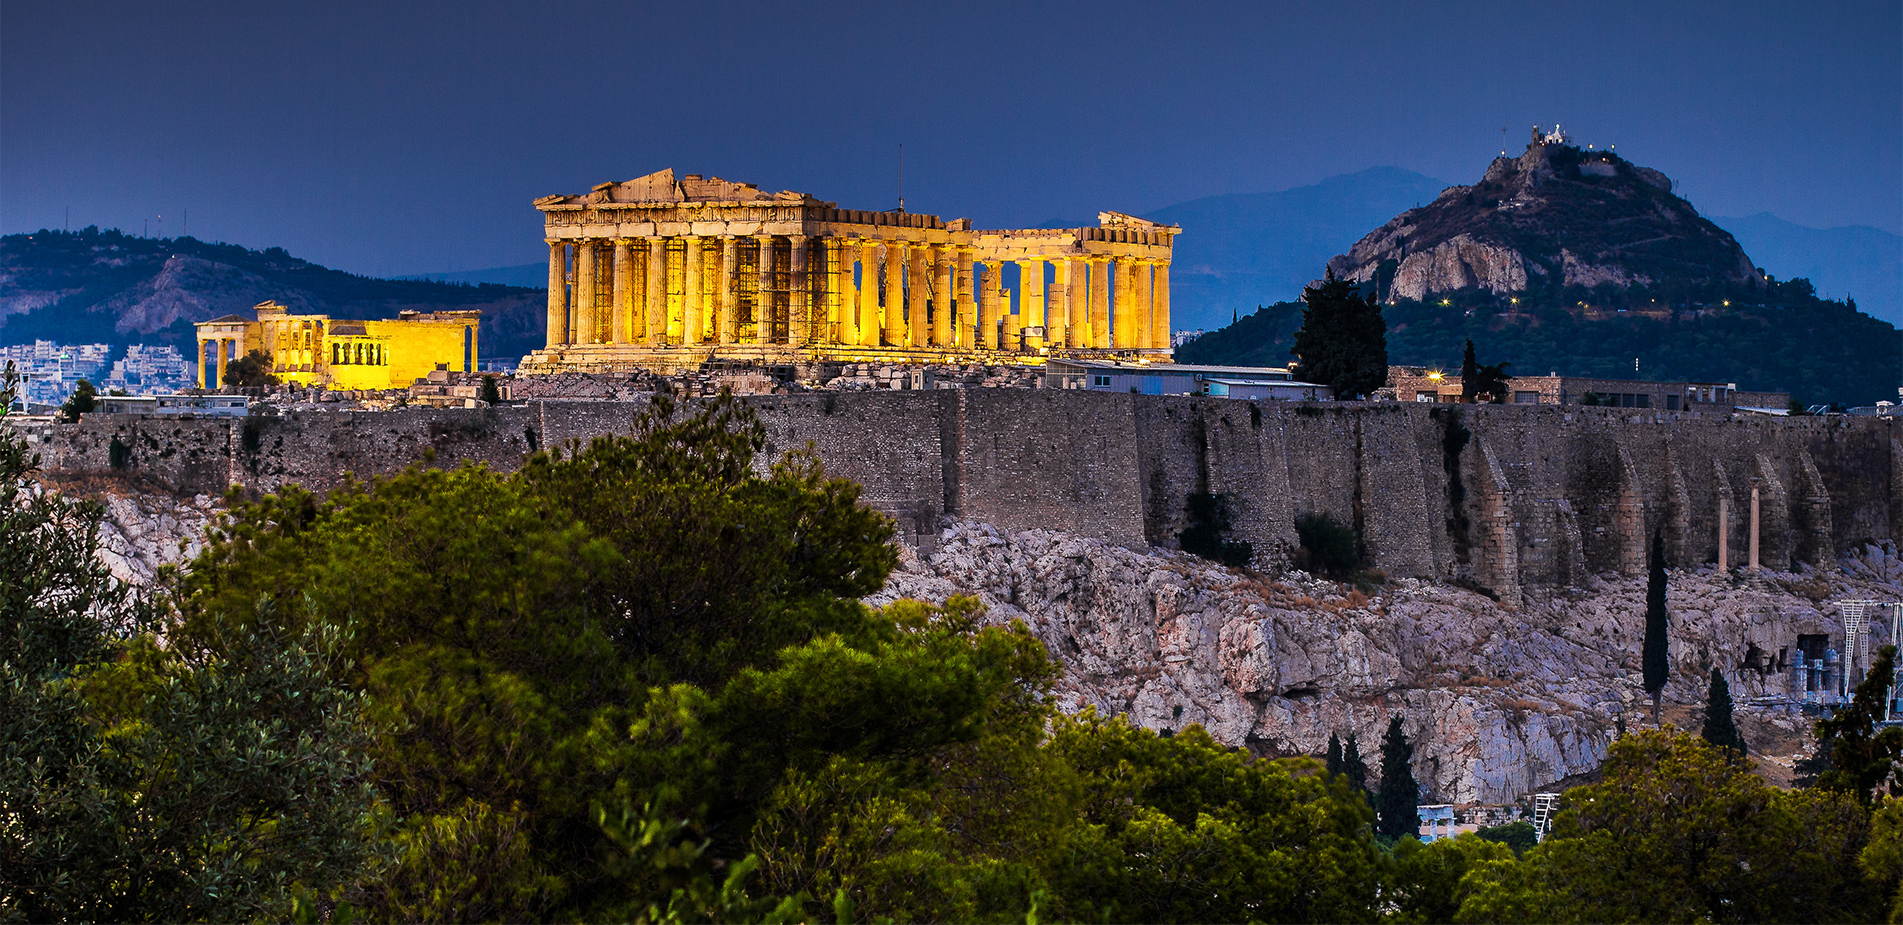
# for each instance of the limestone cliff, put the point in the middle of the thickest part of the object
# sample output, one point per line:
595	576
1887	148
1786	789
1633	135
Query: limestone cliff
1554	216
1500	700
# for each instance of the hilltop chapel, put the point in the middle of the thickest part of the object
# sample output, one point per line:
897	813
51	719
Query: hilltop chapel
665	274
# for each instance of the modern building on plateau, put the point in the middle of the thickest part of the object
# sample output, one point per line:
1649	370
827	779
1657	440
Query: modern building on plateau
1250	382
316	350
665	274
1426	384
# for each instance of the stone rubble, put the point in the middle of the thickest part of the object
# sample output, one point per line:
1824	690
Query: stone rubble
1499	700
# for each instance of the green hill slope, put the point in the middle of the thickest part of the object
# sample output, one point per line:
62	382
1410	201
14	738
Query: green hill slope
95	286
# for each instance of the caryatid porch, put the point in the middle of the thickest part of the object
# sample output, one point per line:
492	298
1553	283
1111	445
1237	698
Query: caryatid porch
662	274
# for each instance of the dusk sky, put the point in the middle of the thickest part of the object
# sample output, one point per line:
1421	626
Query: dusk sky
389	138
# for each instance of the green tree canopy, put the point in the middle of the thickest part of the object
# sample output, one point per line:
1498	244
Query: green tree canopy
1720	728
1343	341
251	370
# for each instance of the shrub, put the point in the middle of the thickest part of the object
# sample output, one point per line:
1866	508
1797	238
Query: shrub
1328	545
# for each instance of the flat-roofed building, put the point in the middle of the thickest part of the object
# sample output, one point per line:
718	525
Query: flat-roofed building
1268	383
1428	384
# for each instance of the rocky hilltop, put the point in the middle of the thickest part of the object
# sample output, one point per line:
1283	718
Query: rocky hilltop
1553	217
95	286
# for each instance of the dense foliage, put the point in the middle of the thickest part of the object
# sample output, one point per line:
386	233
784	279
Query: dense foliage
1342	342
1781	338
634	681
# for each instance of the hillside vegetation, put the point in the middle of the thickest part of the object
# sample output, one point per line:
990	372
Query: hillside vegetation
94	286
1783	338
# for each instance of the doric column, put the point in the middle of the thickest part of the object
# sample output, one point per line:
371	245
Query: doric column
203	364
655	314
624	289
942	299
799	319
871	323
846	322
988	306
895	293
693	288
1056	305
1077	303
727	298
585	332
1160	315
1099	302
1146	303
918	334
966	320
1126	324
763	290
224	353
1031	298
1754	511
557	293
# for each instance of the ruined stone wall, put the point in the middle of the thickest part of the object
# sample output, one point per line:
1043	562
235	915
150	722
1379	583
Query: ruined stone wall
1516	499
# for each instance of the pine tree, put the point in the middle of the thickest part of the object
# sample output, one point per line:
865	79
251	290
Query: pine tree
1720	729
1654	656
1343	341
1334	753
1397	804
1352	765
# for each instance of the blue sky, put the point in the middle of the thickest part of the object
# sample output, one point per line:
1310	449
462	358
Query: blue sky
393	137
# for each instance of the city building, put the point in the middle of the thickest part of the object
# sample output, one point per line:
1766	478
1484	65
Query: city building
316	350
666	274
1427	384
1247	382
204	406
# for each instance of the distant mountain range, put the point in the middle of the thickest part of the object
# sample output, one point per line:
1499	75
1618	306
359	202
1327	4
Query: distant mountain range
95	286
1850	261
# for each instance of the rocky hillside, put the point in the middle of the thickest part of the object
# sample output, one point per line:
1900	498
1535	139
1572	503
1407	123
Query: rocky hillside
95	286
1501	700
1554	217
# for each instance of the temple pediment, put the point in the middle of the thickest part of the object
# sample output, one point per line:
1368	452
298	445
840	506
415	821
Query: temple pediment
1126	220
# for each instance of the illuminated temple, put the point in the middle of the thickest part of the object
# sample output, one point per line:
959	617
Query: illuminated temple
665	274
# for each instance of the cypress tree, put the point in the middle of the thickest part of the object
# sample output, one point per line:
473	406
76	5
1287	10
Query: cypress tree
1343	341
1654	657
1352	765
1469	374
1397	804
1334	753
1720	729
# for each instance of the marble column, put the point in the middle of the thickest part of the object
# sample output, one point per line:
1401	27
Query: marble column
657	292
1127	323
965	316
693	293
942	299
1724	534
1057	305
1031	299
1146	303
895	264
585	332
204	365
224	353
1160	315
623	289
799	321
918	334
1100	320
988	308
727	297
763	289
557	293
846	322
1754	528
871	323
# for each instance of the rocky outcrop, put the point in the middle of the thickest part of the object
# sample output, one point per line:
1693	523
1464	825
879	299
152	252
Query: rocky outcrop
1555	215
144	531
1500	700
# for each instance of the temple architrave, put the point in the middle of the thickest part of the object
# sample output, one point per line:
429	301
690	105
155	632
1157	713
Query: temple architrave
664	274
315	350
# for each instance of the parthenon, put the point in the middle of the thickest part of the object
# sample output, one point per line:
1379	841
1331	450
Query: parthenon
665	274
